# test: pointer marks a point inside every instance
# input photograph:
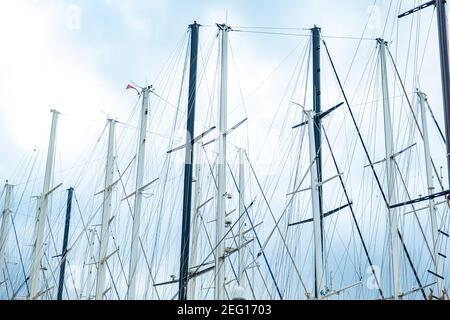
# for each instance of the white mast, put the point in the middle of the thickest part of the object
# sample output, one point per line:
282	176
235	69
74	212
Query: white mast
42	211
221	169
195	221
107	194
138	196
430	186
390	172
318	263
5	224
239	293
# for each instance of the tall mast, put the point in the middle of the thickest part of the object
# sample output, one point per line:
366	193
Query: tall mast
318	245
195	221
65	241
316	120
445	72
134	254
390	171
317	108
430	186
5	224
106	215
41	216
187	195
221	168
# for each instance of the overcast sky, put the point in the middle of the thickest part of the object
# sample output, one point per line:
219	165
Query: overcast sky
76	56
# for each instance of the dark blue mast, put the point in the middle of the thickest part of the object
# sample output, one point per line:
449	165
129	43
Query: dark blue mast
317	108
187	196
65	241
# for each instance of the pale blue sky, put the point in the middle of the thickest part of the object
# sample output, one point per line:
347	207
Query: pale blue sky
77	56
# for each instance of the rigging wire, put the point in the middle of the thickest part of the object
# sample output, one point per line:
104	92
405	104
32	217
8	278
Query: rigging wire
259	242
301	35
276	226
412	111
356	125
14	226
353	215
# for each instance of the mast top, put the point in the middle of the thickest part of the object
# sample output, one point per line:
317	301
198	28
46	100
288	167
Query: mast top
418	91
224	27
194	25
381	41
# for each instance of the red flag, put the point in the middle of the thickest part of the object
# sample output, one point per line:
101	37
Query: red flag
129	86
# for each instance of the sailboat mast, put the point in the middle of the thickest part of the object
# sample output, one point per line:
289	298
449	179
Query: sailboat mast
317	108
221	168
445	72
134	251
106	215
65	242
41	216
318	246
316	120
187	196
5	223
390	171
430	186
